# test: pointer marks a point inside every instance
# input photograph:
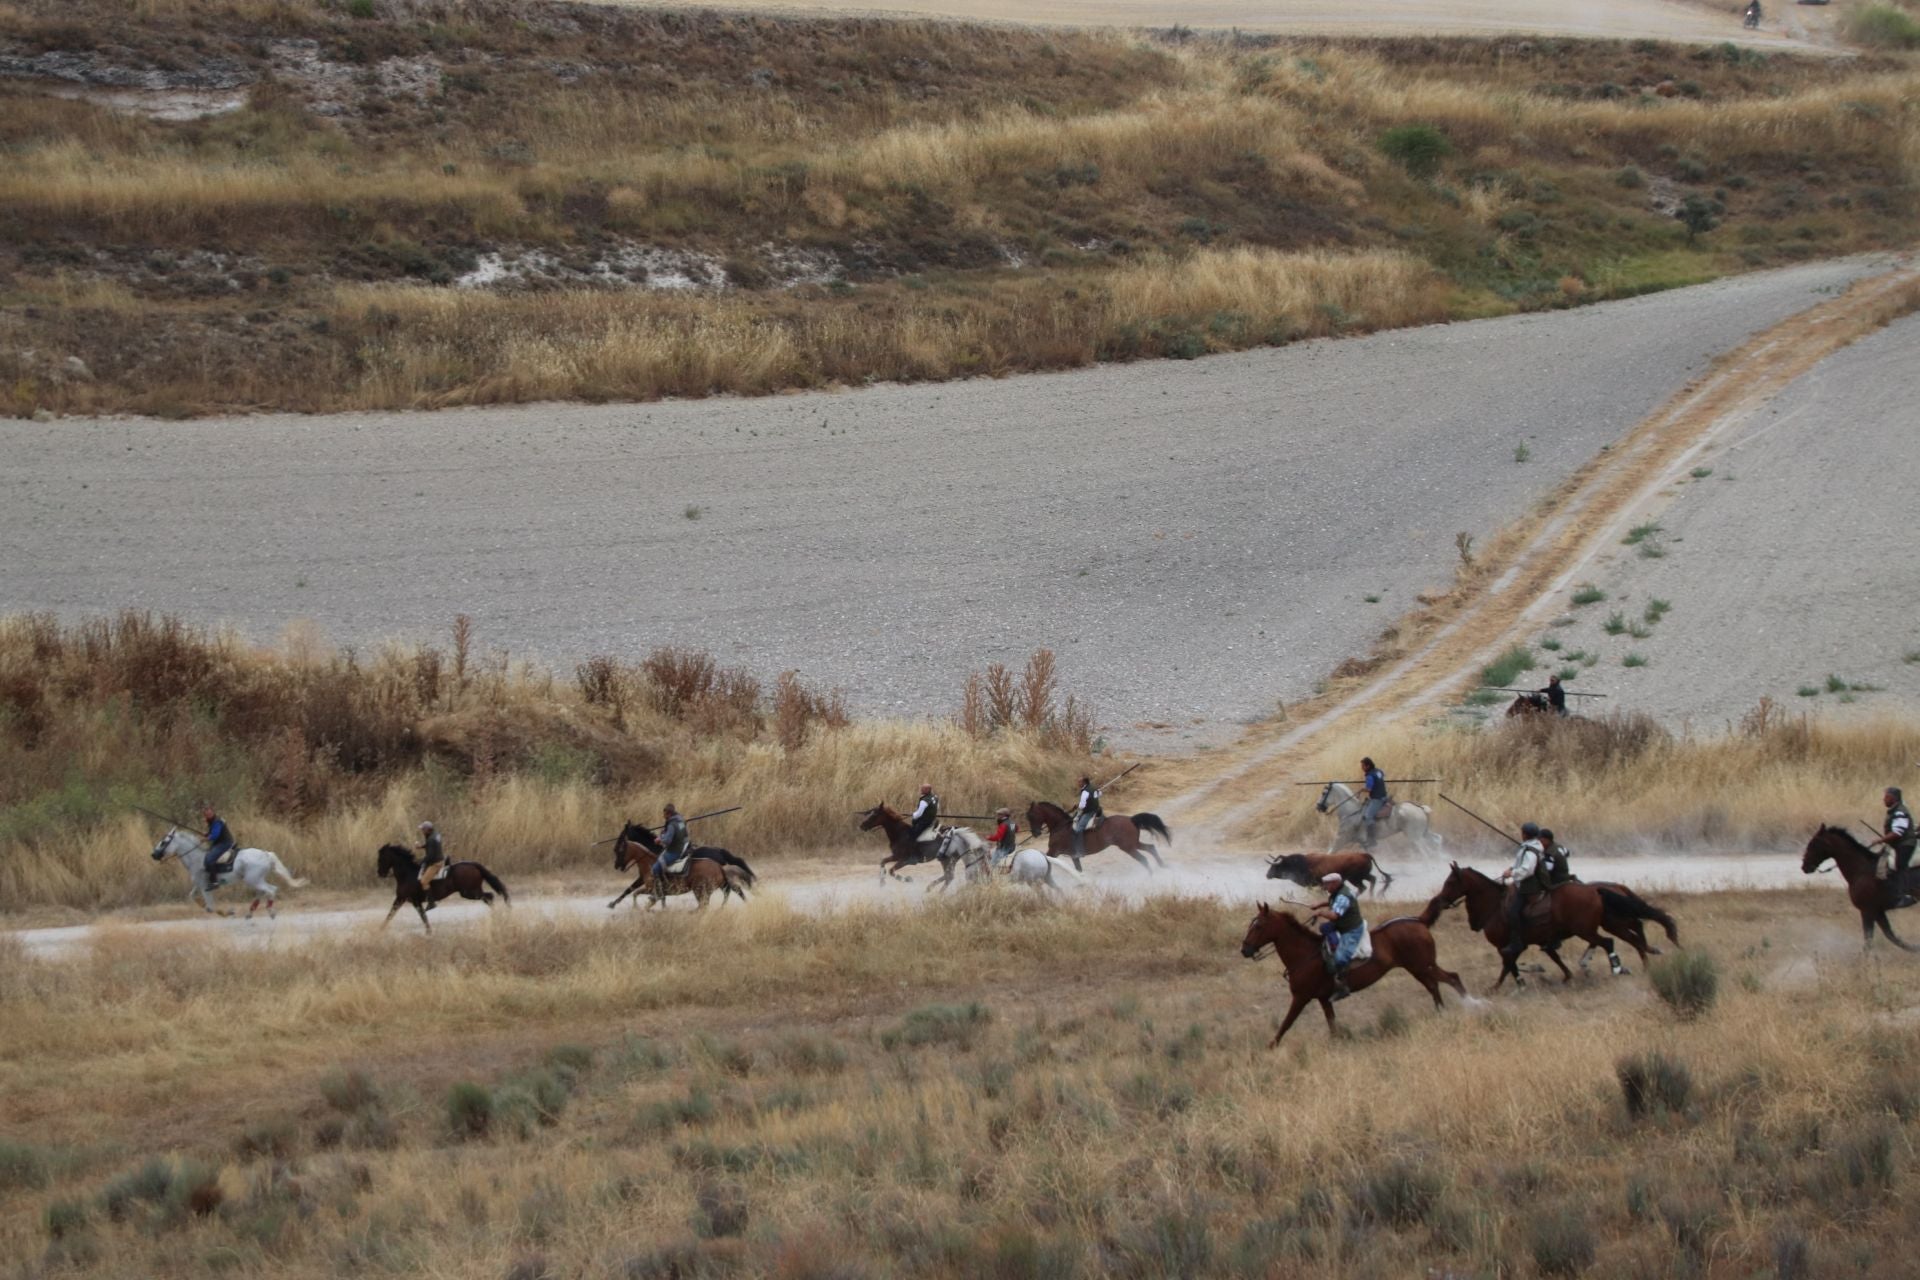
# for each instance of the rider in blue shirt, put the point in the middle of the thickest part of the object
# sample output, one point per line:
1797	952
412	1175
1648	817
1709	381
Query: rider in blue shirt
1374	788
219	840
1342	923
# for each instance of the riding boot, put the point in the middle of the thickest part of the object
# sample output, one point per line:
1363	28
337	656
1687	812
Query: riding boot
1340	989
1079	845
1367	833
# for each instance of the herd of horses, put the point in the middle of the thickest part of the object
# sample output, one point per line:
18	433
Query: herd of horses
1597	914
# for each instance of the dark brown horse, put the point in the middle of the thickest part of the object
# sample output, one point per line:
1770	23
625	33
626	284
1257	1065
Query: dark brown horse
1575	910
903	850
1306	869
1529	704
709	871
468	879
1116	832
1405	943
1871	896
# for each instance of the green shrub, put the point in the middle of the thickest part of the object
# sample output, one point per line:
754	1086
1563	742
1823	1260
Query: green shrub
65	1219
360	8
1402	1193
349	1091
1417	148
1562	1241
21	1166
1506	668
469	1109
1635	660
1587	593
955	1024
146	1185
1654	1084
1615	624
1881	26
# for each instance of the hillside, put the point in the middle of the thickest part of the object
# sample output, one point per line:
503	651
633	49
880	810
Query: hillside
280	203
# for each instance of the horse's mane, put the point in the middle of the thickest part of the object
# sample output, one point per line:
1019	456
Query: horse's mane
1045	805
1844	834
397	850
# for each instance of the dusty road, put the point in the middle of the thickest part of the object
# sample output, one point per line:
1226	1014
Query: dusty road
1618	19
1194	539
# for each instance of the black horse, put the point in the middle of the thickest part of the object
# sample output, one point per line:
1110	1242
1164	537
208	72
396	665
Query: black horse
637	834
468	879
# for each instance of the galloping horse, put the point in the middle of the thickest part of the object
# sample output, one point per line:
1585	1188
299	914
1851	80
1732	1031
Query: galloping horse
1529	704
708	870
468	879
1035	870
950	847
1116	832
1575	910
1414	821
250	866
1405	943
1871	896
1306	869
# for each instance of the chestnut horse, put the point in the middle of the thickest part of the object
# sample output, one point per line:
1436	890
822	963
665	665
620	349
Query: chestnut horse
1871	896
1405	943
709	871
1576	910
1306	869
1115	832
468	879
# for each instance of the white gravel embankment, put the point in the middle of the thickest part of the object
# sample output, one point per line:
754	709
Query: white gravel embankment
1791	556
1194	539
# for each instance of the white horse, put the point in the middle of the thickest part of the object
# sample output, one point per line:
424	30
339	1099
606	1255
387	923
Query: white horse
960	846
1414	821
1035	869
252	866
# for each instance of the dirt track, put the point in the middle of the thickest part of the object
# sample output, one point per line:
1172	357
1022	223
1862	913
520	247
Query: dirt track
1194	539
1618	19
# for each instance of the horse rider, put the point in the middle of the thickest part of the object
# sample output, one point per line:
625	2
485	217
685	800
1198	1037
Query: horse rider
1343	927
1555	870
1373	786
1004	835
1086	814
1526	880
1556	695
432	856
1898	840
675	844
925	814
220	842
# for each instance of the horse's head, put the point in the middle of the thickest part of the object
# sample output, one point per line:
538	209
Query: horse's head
1292	866
1042	813
393	861
1826	846
1260	932
1326	794
625	853
164	848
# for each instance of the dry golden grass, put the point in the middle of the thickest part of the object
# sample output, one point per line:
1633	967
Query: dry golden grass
984	1088
323	759
1624	782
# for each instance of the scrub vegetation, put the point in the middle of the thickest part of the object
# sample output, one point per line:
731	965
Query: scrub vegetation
422	203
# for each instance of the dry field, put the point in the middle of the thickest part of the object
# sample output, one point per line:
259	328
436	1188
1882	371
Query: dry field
685	204
989	1087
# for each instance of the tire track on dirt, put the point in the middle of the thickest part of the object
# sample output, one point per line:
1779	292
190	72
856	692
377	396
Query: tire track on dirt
1228	795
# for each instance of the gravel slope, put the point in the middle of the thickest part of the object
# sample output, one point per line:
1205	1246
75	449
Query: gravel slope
1794	560
1618	19
1194	539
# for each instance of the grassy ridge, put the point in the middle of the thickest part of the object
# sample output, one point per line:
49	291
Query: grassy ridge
323	756
987	1087
880	200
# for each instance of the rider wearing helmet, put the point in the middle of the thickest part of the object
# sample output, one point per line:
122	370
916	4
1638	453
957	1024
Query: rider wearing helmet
1524	875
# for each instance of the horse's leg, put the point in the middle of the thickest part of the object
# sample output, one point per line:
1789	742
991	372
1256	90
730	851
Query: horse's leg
623	893
1888	930
1451	978
1866	931
420	905
1326	1007
398	902
1553	953
1286	1023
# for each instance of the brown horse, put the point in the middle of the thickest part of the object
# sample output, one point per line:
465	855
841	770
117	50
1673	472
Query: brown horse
1306	869
1871	896
705	875
1117	832
468	879
1575	910
1529	704
1405	943
903	850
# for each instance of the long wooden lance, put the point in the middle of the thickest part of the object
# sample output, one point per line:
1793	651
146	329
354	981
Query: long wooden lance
1477	818
1877	837
1355	782
1123	773
1495	688
172	822
656	830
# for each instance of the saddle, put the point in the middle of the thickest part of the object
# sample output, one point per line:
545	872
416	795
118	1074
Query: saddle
1539	907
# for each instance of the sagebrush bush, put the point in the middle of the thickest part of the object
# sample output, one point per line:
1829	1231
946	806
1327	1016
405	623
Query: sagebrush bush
1654	1084
1417	148
469	1109
1689	982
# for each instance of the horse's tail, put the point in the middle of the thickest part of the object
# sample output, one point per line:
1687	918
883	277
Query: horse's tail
493	883
1151	822
1625	902
729	859
1431	916
1386	876
280	869
737	879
